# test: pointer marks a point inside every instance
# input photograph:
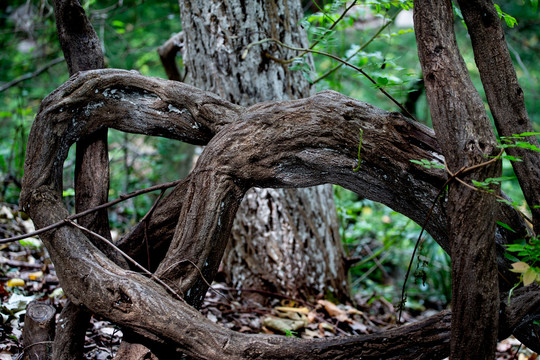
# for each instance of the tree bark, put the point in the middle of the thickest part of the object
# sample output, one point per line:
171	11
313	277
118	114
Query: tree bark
466	138
70	332
167	54
326	153
285	241
82	51
504	94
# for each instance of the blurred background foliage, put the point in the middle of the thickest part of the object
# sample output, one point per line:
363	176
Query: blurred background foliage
376	35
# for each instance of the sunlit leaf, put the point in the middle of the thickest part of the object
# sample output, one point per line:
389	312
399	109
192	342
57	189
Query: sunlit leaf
520	267
15	282
529	276
35	275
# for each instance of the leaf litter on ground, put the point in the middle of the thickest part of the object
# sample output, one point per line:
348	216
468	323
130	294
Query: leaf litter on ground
26	266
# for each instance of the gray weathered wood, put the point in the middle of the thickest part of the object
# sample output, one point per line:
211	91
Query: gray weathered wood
38	331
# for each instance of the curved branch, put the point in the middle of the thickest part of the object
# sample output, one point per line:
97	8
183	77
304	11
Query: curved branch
123	100
278	144
127	101
167	54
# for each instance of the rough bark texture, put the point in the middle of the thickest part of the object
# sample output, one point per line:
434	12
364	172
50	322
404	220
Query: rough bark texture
38	331
134	352
78	39
70	332
279	144
82	51
286	241
466	138
504	94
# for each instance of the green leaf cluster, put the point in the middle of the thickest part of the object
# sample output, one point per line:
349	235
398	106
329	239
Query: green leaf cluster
518	141
526	260
428	164
508	19
381	5
489	183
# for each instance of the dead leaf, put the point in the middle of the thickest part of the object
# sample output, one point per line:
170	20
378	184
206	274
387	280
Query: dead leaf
15	282
354	311
35	275
310	334
312	316
334	311
303	310
529	276
519	267
283	325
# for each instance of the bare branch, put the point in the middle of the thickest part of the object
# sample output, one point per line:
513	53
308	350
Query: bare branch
31	75
95	208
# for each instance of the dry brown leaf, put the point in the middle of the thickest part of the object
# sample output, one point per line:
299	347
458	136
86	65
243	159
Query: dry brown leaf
354	311
283	325
334	311
303	310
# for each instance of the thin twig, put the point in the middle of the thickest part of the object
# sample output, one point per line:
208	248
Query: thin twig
453	176
418	241
31	75
91	210
204	279
334	24
521	213
142	268
337	67
337	58
37	343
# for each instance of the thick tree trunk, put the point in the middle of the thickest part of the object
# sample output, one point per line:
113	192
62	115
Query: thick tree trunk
285	241
466	138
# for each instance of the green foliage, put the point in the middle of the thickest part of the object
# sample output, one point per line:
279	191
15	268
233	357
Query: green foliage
382	240
527	251
31	243
383	61
527	260
290	333
381	5
508	19
130	32
533	3
519	141
428	164
487	184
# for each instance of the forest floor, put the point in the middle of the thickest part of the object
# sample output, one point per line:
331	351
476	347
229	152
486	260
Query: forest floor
27	274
